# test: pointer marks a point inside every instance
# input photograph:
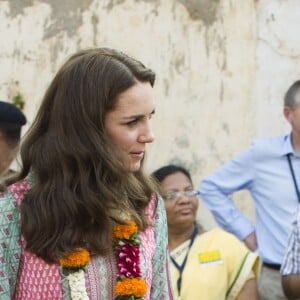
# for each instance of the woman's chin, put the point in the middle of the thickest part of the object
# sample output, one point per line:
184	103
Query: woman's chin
134	167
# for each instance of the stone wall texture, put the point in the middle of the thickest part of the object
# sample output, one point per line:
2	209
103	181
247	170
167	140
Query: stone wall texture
222	67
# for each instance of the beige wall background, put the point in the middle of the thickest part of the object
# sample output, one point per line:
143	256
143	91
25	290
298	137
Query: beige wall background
222	67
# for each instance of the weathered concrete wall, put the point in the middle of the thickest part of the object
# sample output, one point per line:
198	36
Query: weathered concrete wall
278	62
222	66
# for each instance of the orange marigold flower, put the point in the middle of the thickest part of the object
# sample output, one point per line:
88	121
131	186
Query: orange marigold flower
79	258
125	231
131	287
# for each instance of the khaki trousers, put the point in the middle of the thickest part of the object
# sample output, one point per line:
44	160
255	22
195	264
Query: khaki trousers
269	284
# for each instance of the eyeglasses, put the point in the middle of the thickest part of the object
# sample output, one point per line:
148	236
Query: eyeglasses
175	195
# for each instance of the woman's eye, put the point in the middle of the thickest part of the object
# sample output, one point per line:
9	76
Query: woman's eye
132	123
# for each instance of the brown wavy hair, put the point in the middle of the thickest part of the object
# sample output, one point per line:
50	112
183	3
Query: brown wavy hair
80	187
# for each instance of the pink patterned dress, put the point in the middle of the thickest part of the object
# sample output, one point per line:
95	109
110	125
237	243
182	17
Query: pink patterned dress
37	280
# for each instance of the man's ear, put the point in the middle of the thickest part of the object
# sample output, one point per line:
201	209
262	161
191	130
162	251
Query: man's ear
287	113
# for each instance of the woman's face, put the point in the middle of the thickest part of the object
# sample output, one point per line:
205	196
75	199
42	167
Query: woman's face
128	125
181	210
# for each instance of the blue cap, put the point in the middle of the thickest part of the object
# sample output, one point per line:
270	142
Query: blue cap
9	113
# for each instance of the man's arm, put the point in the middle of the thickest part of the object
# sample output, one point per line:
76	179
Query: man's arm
291	286
215	191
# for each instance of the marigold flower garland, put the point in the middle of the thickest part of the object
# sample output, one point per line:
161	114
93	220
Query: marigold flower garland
130	284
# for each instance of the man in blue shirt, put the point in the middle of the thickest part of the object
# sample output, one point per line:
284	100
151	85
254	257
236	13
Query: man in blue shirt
265	171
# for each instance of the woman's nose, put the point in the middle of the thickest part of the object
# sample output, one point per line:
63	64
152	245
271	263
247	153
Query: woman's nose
147	136
182	198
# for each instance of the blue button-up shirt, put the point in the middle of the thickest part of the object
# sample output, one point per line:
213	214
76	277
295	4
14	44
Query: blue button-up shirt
264	171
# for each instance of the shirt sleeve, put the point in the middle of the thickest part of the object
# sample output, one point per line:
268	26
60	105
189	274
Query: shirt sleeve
215	191
291	260
10	247
161	286
242	264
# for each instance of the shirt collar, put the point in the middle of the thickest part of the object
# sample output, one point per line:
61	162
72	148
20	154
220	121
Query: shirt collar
287	145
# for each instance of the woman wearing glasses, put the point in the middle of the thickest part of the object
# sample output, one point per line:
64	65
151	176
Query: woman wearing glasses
210	265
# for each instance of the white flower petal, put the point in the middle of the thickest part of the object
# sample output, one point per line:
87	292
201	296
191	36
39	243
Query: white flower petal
77	285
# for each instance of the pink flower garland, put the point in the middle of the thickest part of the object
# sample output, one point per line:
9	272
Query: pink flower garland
130	285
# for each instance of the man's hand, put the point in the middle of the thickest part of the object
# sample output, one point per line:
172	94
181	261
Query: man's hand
250	241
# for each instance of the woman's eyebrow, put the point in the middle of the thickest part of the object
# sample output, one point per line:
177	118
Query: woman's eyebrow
138	116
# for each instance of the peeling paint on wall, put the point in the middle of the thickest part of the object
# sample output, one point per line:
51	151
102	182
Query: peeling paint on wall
226	128
112	3
203	10
213	60
17	6
182	141
66	15
95	21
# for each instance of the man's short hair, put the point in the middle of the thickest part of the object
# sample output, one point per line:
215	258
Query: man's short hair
290	95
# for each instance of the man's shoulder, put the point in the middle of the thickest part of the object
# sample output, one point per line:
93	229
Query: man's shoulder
279	140
274	144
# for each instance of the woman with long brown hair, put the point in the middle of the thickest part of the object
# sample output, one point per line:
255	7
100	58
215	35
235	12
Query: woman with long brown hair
83	221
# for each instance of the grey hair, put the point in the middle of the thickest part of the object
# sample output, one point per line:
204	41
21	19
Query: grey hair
290	95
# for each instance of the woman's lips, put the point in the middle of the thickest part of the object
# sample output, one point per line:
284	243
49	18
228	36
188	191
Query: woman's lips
186	211
139	154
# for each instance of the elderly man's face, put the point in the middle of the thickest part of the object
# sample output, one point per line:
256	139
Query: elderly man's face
7	154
